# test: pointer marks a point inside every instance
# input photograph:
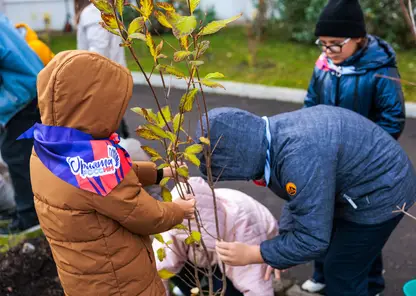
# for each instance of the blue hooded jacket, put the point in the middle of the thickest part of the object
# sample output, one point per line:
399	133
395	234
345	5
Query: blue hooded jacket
19	67
327	162
357	87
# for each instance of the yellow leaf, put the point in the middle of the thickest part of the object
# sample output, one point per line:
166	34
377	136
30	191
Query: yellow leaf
210	83
166	114
146	8
166	6
187	100
120	6
170	70
196	63
194	149
181	55
152	152
166	195
215	75
185	42
180	227
159	48
146	134
169	242
194	4
161	56
189	240
183	25
165	274
192	158
110	20
156	158
176	123
215	26
113	31
204	140
164	181
159	237
162	166
161	254
161	18
148	114
172	136
196	235
151	44
136	25
183	171
103	6
202	48
139	36
158	131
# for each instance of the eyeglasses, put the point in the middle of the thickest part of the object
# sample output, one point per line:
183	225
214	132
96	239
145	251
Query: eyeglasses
334	48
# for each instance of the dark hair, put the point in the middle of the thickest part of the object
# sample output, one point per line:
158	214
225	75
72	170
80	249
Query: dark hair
79	6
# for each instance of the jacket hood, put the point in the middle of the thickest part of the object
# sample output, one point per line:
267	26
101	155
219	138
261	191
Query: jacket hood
377	54
85	91
240	144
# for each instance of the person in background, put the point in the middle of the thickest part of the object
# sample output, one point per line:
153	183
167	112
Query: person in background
241	218
19	67
351	73
93	37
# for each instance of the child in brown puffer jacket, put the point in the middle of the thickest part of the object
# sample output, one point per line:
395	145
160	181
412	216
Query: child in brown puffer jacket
88	194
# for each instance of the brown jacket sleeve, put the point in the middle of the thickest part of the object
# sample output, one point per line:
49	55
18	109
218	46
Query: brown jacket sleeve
146	171
136	210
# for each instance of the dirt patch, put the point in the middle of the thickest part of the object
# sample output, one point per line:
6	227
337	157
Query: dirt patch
25	271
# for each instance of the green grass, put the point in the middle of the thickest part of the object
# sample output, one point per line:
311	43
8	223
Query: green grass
279	63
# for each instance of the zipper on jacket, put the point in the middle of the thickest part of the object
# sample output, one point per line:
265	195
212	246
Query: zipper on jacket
349	199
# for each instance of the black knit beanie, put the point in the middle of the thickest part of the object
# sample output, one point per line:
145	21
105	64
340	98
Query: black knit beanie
341	18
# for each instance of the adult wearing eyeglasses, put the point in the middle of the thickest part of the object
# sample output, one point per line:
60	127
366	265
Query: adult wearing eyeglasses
352	73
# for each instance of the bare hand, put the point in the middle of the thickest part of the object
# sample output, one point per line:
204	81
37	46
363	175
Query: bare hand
277	273
238	254
171	171
187	205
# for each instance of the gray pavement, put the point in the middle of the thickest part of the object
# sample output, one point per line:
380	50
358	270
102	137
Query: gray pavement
400	251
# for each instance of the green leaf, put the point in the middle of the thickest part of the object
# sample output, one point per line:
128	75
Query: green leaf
194	4
172	136
156	158
166	114
180	227
110	20
211	83
161	254
185	42
215	75
169	242
165	274
139	36
215	26
176	123
166	6
151	44
166	195
136	25
164	181
120	6
187	100
183	25
183	171
145	133
148	114
189	240
196	63
204	140
103	6
202	48
194	149
196	235
152	152
192	158
159	237
146	8
170	70
181	55
159	48
161	18
158	131
162	166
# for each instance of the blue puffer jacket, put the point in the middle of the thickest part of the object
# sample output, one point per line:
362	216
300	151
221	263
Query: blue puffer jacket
19	67
327	162
359	89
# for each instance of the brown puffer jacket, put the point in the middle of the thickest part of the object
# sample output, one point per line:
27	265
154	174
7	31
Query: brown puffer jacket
100	244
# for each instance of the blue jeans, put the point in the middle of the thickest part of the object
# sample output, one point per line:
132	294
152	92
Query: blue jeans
16	154
353	265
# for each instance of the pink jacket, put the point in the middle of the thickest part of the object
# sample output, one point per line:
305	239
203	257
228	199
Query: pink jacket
241	218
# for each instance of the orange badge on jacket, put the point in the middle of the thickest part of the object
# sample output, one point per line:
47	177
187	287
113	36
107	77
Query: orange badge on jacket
291	188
